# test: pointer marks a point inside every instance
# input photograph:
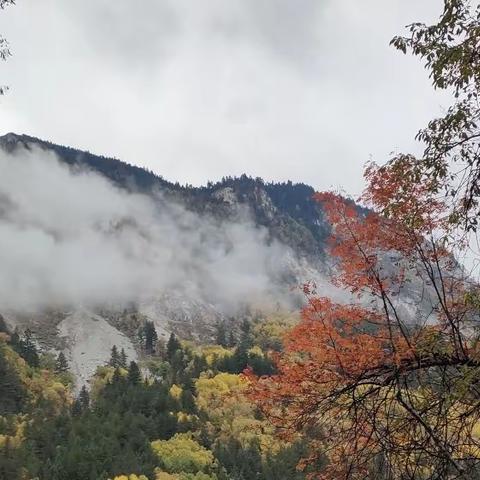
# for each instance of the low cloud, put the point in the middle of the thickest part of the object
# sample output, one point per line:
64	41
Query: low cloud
71	238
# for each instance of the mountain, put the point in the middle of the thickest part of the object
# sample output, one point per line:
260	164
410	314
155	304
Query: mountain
282	215
286	209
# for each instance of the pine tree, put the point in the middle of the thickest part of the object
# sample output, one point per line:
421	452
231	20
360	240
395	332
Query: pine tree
199	364
188	401
172	346
245	340
115	359
123	359
28	349
12	392
61	364
84	398
221	334
151	338
134	375
76	408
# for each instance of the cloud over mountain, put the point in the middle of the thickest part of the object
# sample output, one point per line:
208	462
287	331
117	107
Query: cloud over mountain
68	236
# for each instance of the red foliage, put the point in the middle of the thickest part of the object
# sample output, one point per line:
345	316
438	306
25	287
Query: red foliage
346	370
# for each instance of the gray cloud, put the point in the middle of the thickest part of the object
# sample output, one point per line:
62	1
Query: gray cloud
71	238
305	90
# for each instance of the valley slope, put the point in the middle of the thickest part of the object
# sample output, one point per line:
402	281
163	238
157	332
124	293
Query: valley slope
283	217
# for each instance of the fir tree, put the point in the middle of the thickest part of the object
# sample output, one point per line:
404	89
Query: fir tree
115	360
12	391
84	398
245	343
246	340
123	359
76	408
28	349
61	364
221	334
134	375
172	346
151	338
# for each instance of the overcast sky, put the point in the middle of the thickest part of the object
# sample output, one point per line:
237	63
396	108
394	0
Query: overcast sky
306	90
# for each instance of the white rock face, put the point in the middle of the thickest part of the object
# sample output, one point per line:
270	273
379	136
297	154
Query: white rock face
227	195
89	341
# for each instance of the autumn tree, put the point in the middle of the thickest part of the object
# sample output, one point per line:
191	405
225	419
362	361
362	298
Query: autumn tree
451	159
389	381
390	377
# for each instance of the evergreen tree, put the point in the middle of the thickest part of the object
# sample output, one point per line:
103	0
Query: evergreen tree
151	338
123	359
115	360
178	365
199	364
76	408
12	391
172	346
245	343
221	334
134	375
246	340
28	349
187	398
188	401
84	398
61	364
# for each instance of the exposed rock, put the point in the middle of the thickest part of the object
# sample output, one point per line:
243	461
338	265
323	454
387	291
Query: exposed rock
89	339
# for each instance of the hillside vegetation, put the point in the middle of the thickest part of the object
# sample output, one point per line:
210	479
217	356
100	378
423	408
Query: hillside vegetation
180	413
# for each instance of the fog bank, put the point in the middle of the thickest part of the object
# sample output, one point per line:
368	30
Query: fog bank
72	238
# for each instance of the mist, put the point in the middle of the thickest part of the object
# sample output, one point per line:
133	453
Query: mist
70	238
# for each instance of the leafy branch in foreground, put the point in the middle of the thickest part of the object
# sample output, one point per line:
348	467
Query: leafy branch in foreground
390	381
451	160
4	45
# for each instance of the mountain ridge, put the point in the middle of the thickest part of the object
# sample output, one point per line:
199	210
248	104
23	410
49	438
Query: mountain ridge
294	204
285	211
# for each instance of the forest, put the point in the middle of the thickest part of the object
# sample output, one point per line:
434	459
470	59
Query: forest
181	413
